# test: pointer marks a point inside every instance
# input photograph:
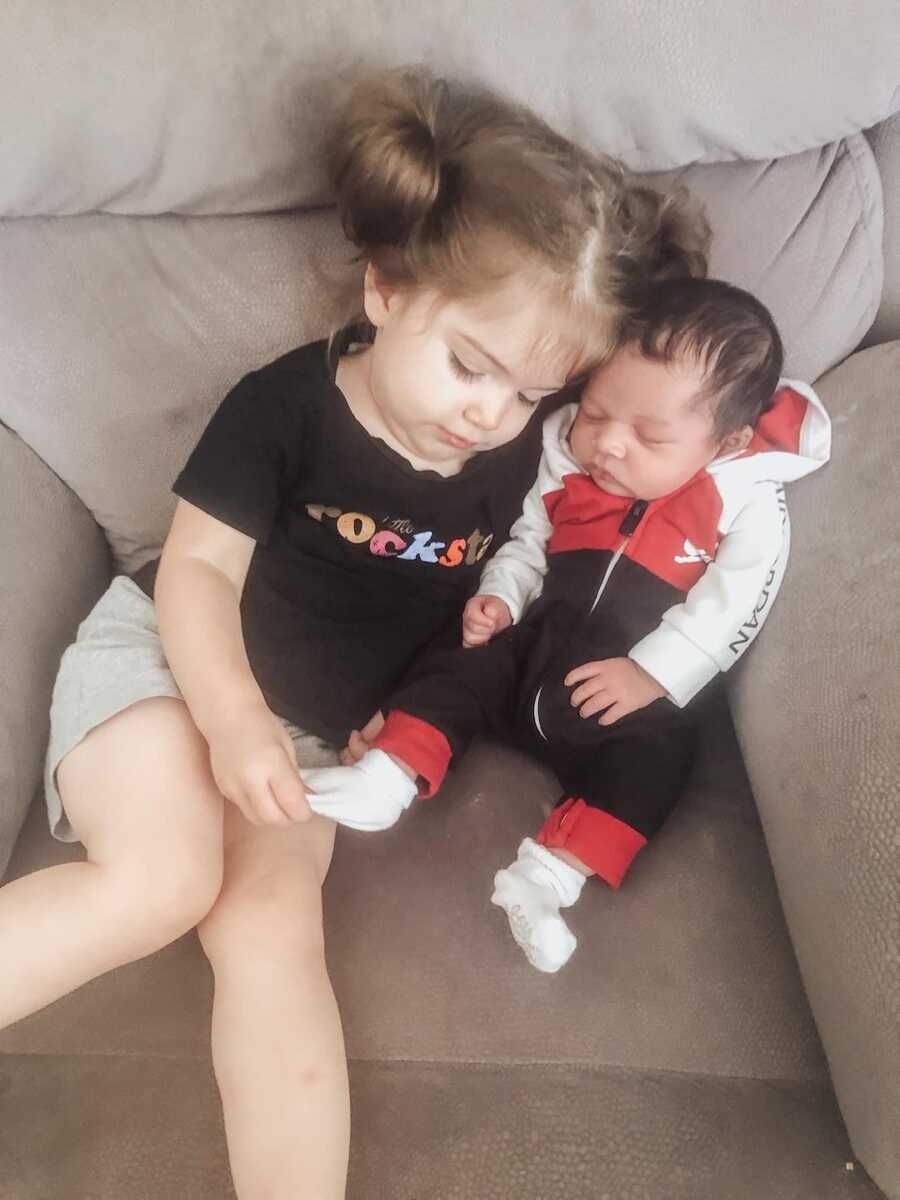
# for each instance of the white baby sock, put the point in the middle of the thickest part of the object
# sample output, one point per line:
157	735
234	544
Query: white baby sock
372	794
531	893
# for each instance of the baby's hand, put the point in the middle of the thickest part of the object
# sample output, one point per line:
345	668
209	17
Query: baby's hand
361	740
254	765
618	685
483	617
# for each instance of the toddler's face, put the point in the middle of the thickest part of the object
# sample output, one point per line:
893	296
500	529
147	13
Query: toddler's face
640	430
450	378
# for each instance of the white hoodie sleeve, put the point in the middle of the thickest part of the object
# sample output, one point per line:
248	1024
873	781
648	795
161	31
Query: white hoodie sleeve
723	612
516	572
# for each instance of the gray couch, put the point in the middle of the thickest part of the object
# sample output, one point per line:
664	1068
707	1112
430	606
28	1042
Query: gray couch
730	1028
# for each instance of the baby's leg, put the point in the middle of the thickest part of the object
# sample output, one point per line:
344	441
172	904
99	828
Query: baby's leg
139	794
450	695
277	1043
622	782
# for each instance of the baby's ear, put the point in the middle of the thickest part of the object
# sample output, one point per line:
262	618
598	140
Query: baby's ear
737	441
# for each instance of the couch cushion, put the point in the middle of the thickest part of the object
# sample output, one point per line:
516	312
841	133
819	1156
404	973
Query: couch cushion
144	1128
159	107
54	564
123	334
674	1056
818	710
687	968
803	233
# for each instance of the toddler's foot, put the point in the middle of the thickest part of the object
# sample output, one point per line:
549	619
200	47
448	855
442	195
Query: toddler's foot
531	893
372	794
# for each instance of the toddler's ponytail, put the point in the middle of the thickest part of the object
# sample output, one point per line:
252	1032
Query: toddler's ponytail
432	177
665	235
386	162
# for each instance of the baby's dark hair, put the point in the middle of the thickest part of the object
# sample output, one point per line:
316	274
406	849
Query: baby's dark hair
728	331
461	190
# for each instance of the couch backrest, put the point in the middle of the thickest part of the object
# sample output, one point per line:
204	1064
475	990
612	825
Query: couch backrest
119	334
139	107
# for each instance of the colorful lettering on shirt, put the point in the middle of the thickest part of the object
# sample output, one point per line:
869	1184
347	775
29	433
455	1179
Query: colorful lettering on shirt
318	511
355	527
455	553
423	548
483	547
387	544
400	539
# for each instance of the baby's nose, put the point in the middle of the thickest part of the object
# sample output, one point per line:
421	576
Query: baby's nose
611	440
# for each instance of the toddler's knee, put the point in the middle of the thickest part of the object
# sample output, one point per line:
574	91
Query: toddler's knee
265	919
167	899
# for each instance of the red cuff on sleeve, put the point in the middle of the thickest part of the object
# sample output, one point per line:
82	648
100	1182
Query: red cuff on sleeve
598	839
420	745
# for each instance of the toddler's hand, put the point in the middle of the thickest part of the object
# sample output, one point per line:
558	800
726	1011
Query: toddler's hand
618	685
483	617
254	765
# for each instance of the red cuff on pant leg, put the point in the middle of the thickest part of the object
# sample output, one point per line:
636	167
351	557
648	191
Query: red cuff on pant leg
420	745
598	839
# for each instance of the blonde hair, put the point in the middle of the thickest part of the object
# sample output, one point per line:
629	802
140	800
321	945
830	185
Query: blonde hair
461	191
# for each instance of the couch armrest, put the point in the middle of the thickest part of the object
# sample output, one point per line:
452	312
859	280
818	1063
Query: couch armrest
885	142
817	708
55	563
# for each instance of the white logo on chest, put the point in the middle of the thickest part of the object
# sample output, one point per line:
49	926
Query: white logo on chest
692	554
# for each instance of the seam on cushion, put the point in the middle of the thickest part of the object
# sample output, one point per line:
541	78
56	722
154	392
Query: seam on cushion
538	1064
461	1064
858	149
5	427
835	153
714	156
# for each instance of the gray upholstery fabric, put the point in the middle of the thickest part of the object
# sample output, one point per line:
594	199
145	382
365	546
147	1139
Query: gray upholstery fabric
77	1127
817	711
804	233
542	1133
196	108
674	1058
54	563
434	1131
424	967
885	141
155	318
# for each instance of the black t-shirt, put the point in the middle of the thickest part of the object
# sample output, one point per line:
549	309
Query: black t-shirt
360	560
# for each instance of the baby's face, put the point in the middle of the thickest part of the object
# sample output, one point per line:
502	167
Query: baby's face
640	430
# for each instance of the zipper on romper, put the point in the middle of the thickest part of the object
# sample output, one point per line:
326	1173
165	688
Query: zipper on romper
630	522
632	518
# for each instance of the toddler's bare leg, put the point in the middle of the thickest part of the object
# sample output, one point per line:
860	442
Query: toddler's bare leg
278	1047
139	794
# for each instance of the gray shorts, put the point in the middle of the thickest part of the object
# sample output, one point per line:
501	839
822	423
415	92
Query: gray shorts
116	660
